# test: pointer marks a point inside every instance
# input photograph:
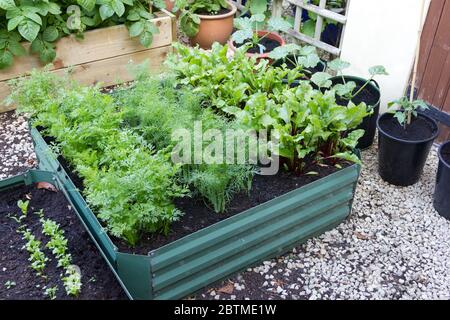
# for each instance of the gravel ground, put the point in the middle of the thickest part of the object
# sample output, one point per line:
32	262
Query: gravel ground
16	147
394	245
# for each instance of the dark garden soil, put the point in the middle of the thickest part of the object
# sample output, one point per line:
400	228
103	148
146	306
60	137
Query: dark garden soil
367	96
419	129
98	282
269	45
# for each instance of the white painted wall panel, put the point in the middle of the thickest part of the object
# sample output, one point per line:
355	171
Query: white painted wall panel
383	32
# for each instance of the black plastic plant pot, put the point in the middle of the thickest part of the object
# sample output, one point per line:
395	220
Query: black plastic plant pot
442	193
402	153
371	96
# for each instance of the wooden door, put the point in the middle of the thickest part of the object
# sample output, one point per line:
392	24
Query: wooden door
433	83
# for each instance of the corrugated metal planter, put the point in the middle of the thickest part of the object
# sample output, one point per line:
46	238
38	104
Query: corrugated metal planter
195	261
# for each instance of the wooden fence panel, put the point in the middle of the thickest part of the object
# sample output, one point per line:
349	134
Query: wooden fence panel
434	67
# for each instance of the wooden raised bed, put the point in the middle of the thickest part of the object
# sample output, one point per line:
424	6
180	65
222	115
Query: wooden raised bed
102	56
213	253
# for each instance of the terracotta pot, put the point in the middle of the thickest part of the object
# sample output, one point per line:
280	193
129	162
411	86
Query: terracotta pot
169	5
259	56
215	28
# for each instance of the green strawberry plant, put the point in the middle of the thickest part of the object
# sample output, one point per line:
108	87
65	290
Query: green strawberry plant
189	19
408	109
43	22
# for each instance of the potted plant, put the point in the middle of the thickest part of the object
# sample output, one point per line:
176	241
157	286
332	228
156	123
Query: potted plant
405	139
295	57
259	32
441	195
206	21
357	90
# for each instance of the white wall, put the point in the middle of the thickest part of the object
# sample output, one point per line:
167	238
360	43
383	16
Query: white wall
383	32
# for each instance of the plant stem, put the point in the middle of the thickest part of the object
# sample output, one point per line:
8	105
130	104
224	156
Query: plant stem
362	88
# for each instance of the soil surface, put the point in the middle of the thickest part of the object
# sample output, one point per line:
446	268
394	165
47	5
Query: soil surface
419	129
268	45
98	282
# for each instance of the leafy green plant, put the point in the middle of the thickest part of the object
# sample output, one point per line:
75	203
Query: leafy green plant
43	22
347	89
189	19
57	243
58	246
37	257
51	292
248	27
226	83
23	206
87	125
302	57
405	109
308	125
72	281
10	284
155	108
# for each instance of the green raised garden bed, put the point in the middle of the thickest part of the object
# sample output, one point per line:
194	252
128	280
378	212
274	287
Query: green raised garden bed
195	261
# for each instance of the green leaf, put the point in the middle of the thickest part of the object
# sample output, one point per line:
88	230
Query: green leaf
345	89
146	39
258	7
283	51
89	5
401	117
321	79
133	15
420	104
137	28
33	16
118	7
309	28
241	36
378	70
106	11
16	48
338	65
6	59
348	156
7	4
50	34
14	22
29	30
278	24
